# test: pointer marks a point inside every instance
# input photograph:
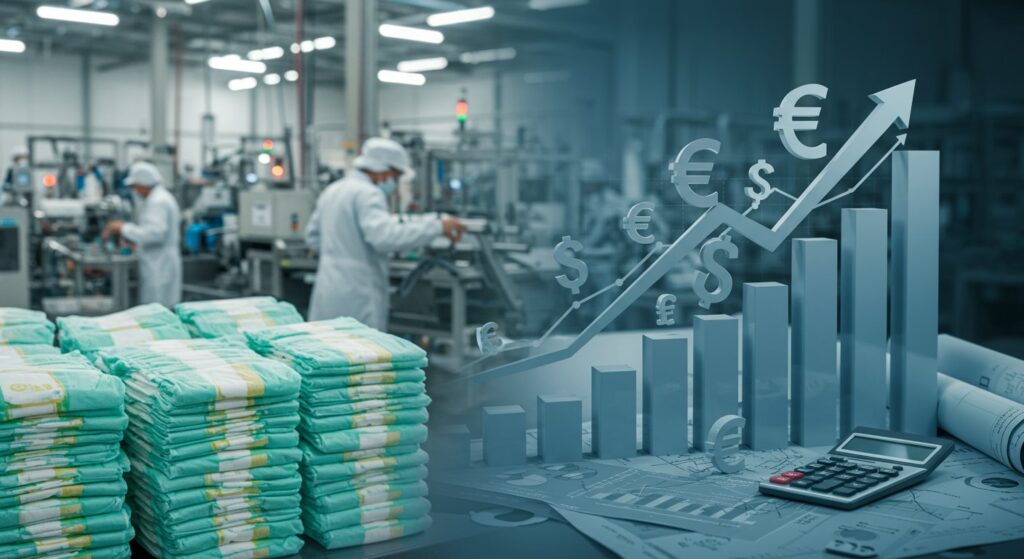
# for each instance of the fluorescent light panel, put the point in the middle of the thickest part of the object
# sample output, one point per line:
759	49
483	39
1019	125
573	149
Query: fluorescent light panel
11	45
460	16
272	79
423	64
490	55
91	17
323	43
392	31
242	84
269	53
234	63
194	2
404	78
291	75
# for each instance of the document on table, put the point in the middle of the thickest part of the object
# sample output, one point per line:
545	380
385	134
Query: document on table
986	421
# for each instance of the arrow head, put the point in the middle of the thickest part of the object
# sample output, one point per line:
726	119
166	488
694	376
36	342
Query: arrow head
901	139
899	99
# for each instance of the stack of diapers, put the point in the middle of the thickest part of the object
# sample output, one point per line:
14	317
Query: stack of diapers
144	323
213	449
363	414
62	487
22	326
232	317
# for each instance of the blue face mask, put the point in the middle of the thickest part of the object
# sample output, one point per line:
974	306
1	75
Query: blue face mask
389	186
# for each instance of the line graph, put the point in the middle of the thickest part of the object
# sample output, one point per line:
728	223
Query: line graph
893	107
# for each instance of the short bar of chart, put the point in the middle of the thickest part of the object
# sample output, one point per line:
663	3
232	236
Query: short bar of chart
559	428
863	313
915	299
814	386
613	409
715	372
766	365
504	434
665	393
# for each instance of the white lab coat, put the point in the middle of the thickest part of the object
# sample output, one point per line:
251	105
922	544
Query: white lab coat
354	232
158	237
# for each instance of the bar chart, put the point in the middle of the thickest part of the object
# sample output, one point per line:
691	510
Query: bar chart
809	358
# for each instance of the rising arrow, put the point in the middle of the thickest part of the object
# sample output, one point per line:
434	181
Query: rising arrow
892	107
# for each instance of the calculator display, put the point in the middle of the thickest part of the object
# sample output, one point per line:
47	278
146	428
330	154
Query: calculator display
888	448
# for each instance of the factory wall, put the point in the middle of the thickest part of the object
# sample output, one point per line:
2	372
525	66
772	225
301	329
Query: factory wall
44	95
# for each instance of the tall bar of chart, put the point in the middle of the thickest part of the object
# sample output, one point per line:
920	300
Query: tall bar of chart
613	409
665	382
715	372
863	314
766	365
913	382
814	386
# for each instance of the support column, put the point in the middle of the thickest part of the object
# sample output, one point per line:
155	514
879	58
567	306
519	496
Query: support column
361	71
87	106
158	53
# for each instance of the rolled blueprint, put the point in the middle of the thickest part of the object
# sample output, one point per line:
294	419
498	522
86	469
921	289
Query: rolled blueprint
979	366
988	422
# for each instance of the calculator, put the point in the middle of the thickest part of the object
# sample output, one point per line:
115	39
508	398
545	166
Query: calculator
867	465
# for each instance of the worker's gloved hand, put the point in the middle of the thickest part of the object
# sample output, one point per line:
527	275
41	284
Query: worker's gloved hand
452	228
112	228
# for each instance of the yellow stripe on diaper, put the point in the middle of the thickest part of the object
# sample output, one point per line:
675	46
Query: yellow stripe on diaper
254	384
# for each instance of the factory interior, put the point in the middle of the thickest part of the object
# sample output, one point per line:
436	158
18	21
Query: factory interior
524	123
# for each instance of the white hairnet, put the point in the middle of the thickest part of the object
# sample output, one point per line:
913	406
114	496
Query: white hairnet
144	174
19	151
381	154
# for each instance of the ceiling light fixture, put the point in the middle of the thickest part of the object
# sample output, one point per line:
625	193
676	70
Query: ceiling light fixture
194	2
392	31
11	45
460	16
490	55
241	84
323	43
291	75
234	63
404	78
272	79
91	17
423	64
269	53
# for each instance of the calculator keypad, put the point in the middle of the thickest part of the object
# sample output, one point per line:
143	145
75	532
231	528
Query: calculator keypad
836	476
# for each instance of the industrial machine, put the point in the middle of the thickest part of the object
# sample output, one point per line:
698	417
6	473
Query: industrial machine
14	261
272	215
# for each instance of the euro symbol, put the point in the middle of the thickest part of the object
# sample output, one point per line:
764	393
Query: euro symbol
488	340
787	127
634	222
682	167
725	445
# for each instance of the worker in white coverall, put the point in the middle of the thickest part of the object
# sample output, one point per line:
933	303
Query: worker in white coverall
354	232
157	236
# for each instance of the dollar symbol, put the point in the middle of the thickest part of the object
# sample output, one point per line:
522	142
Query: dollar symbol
707	259
488	340
787	127
634	222
755	177
666	309
682	167
723	445
565	254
